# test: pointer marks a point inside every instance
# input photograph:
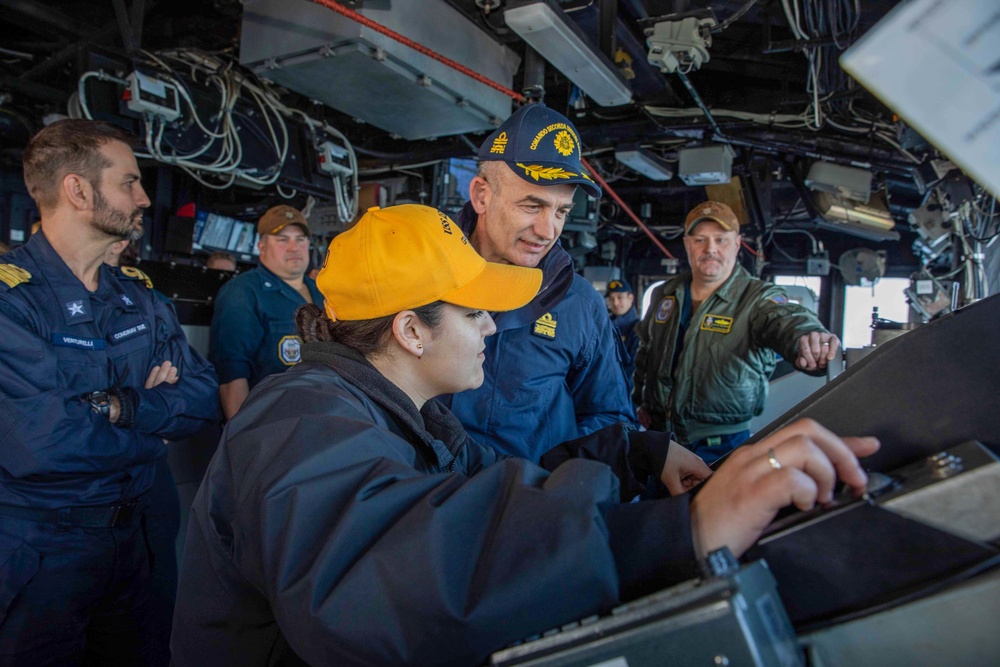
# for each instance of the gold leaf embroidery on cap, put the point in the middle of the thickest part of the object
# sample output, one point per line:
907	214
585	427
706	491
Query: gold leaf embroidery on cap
537	171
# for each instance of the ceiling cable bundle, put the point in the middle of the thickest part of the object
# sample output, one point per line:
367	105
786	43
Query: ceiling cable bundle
246	109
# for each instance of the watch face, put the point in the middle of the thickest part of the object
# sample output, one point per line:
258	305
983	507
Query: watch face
99	401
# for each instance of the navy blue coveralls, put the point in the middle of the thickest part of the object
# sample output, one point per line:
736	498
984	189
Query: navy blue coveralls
253	326
74	565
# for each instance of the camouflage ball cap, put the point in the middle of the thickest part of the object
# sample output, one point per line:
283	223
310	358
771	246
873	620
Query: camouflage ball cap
541	146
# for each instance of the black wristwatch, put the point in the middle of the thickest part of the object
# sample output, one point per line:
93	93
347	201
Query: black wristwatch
100	402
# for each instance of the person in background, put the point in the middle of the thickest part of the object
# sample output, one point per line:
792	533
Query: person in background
554	371
95	373
621	306
221	261
707	343
253	327
3	248
349	519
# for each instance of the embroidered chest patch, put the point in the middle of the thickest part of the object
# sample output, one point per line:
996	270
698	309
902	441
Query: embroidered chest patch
665	309
545	326
290	350
129	332
62	340
716	324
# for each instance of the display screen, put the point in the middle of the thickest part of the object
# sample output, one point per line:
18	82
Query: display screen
219	232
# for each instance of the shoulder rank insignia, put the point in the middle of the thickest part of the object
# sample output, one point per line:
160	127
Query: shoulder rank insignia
132	272
12	275
545	326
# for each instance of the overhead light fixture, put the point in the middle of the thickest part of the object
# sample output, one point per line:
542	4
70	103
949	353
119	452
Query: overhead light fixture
840	181
547	29
871	221
646	162
707	165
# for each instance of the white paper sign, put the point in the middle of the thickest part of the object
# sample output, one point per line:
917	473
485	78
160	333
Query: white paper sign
936	63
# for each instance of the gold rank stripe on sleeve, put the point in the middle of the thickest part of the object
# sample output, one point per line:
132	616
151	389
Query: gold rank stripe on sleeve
13	276
133	272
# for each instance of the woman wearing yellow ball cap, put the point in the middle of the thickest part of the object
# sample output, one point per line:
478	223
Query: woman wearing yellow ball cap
347	518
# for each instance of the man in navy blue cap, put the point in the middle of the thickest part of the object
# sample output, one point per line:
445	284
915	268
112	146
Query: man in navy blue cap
554	368
621	306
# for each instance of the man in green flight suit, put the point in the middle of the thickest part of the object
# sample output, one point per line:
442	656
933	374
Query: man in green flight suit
708	343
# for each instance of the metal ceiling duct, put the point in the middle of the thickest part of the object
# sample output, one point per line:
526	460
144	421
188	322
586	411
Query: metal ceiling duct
328	57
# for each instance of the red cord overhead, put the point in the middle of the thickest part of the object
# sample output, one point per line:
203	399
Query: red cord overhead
628	211
368	23
377	27
751	250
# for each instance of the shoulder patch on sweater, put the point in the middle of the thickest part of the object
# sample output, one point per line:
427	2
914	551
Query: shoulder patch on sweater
136	274
716	324
12	275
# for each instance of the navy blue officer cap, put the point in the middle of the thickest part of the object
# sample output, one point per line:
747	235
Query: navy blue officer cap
541	146
618	285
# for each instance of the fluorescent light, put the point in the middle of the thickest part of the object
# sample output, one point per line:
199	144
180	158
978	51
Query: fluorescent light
871	221
548	30
645	162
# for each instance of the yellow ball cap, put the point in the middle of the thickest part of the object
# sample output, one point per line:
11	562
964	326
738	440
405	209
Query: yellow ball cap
408	256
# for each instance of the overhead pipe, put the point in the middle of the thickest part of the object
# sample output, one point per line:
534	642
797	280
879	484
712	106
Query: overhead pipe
625	207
